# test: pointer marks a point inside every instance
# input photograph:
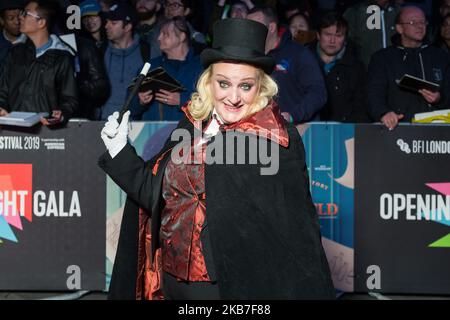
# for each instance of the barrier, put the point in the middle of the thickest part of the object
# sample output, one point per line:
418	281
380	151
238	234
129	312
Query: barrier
383	200
52	204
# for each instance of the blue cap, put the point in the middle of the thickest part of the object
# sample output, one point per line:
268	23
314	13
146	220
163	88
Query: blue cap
90	8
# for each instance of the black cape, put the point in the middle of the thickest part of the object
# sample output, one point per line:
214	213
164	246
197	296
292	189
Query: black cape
264	230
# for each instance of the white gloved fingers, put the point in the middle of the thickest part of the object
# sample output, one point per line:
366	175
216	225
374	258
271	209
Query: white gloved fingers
112	119
111	127
109	132
123	127
114	135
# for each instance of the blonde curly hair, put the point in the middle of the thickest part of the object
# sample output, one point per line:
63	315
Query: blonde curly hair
202	105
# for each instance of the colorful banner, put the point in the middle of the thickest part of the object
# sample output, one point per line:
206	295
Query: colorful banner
382	197
330	160
402	209
52	204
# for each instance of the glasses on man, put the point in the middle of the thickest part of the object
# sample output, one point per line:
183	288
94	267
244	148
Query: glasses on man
416	23
25	13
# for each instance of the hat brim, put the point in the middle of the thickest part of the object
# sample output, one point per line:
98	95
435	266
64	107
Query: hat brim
210	56
90	13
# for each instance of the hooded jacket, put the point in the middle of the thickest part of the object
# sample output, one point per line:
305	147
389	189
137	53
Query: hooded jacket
122	65
263	229
39	80
390	64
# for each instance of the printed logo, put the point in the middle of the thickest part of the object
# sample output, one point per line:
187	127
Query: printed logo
425	146
403	146
437	74
15	198
327	210
283	66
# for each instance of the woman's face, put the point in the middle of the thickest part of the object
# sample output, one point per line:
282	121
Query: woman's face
168	38
92	23
298	24
234	87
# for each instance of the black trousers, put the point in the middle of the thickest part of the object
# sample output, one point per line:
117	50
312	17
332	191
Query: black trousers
183	290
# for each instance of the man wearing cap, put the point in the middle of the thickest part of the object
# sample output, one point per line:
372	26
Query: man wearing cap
92	23
9	22
123	59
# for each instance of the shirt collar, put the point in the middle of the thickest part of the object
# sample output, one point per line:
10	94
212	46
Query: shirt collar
267	123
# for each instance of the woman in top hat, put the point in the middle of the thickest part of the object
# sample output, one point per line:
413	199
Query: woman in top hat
201	229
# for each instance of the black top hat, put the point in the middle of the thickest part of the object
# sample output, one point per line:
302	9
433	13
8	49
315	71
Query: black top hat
239	40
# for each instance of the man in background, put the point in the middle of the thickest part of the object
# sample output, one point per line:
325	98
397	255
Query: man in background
38	74
9	22
149	25
302	92
344	74
123	58
388	102
368	41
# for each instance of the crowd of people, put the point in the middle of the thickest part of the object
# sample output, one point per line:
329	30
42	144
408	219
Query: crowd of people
331	64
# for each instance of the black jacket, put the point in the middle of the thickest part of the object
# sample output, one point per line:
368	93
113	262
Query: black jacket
263	230
390	64
38	84
347	89
92	80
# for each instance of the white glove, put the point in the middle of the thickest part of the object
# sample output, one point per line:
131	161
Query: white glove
114	135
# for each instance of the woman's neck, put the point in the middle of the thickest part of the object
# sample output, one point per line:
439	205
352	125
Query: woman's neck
97	35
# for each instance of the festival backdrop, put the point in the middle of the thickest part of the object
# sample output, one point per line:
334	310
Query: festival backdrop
402	209
330	159
52	209
382	198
